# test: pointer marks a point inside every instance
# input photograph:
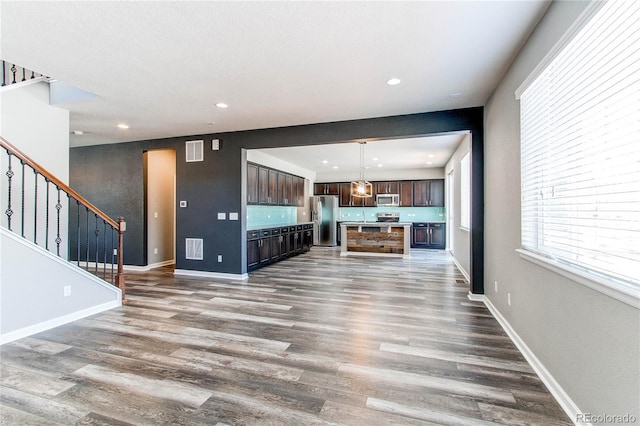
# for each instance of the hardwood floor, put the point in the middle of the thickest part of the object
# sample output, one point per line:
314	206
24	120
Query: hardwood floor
317	339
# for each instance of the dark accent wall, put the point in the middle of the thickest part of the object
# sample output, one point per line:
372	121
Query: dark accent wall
111	176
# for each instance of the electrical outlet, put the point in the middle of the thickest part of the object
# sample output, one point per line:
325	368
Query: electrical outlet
509	299
115	252
155	250
496	286
219	258
67	290
155	215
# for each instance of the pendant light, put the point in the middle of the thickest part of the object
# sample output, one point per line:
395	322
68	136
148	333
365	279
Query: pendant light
361	188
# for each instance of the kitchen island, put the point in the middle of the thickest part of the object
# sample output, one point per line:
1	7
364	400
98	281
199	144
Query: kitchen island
388	239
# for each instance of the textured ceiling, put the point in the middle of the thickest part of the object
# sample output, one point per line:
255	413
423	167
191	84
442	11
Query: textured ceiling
161	67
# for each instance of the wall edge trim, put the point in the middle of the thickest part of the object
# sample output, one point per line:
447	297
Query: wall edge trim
205	274
568	405
56	322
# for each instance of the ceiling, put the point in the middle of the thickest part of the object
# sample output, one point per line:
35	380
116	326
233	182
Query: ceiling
160	67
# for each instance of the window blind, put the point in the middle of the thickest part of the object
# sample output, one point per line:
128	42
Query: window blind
580	150
465	192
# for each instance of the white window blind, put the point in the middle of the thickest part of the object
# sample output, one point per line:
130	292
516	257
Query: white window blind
465	192
580	150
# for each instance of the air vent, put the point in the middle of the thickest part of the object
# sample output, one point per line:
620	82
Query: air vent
194	248
195	151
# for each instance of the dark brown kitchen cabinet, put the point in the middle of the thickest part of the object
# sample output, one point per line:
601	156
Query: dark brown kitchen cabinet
428	193
326	188
428	235
406	193
346	200
252	183
267	246
298	191
258	248
273	187
263	185
387	187
285	189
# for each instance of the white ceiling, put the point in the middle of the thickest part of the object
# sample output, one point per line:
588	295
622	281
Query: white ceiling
161	67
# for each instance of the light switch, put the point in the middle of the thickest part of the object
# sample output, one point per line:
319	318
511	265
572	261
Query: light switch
222	216
233	216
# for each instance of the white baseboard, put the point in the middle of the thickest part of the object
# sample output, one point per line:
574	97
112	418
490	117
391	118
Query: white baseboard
56	322
136	268
205	274
460	268
567	404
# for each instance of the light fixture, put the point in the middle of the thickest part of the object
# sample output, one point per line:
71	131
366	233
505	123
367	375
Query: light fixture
325	161
78	132
123	126
431	155
361	188
221	105
393	81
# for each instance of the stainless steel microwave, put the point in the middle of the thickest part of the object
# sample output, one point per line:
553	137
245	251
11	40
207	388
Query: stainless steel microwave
390	200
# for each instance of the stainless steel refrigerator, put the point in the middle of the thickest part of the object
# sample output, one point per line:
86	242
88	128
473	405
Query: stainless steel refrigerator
324	214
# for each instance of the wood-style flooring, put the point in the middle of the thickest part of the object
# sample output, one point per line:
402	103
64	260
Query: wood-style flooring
317	339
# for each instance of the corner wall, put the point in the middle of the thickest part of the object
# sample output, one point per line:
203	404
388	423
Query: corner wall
460	239
588	342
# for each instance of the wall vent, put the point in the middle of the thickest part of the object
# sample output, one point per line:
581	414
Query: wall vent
194	150
194	249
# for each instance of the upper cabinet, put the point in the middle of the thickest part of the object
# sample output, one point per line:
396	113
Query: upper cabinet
387	187
273	187
326	188
428	193
406	193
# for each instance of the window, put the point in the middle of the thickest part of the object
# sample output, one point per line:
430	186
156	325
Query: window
465	192
580	152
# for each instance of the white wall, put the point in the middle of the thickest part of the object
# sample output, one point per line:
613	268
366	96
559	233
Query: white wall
41	132
459	240
32	298
160	198
588	342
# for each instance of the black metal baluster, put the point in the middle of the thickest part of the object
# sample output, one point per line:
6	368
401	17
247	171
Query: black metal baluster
4	74
22	213
35	207
104	249
13	71
78	259
46	220
23	76
58	208
87	250
113	256
9	211
33	75
97	232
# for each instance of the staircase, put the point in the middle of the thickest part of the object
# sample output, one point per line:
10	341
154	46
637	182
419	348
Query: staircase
61	258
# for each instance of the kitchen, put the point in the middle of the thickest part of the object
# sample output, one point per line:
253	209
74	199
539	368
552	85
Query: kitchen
405	208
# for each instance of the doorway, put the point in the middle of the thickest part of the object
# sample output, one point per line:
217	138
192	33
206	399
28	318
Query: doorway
160	207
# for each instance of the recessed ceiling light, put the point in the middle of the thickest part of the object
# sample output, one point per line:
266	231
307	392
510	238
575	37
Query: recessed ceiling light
374	159
211	123
393	81
379	165
335	167
454	95
325	161
222	105
429	162
123	126
431	155
78	132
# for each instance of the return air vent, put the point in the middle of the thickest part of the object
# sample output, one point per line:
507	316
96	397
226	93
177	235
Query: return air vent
194	249
194	150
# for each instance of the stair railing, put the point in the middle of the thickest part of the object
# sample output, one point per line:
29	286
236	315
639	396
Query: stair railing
78	231
14	74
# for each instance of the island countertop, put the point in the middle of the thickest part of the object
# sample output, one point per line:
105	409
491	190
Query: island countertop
375	224
389	239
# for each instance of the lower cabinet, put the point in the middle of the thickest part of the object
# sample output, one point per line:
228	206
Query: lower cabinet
428	235
267	246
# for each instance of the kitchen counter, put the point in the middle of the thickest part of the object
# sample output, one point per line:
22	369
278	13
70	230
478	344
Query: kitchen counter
388	239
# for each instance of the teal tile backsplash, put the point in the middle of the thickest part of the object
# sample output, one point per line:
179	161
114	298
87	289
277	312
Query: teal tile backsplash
407	214
266	216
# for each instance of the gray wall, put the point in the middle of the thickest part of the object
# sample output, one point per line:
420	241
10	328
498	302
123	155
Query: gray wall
588	341
111	176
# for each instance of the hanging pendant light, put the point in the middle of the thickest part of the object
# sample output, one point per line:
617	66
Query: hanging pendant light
361	188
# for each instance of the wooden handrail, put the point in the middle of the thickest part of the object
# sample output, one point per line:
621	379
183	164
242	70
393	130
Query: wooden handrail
51	178
119	226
